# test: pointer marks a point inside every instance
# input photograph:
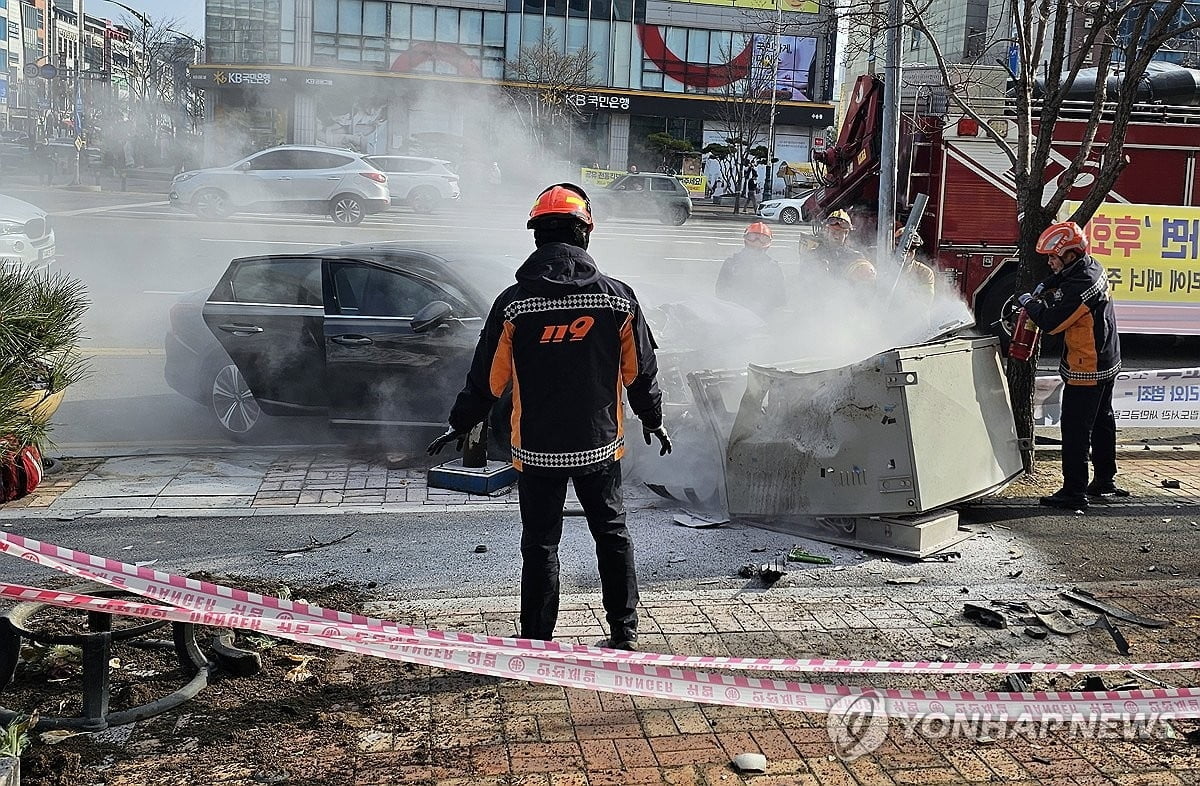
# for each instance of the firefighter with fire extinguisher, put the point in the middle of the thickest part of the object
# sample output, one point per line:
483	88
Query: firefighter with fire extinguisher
1075	302
568	339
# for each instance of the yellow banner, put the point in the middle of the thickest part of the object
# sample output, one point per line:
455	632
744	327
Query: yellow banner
696	185
798	6
1151	252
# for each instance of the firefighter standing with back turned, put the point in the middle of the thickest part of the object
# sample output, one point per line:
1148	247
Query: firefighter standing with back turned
752	277
567	338
1074	301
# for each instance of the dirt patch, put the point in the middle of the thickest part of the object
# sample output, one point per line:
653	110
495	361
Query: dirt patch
300	719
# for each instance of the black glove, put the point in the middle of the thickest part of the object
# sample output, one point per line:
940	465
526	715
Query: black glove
451	435
664	439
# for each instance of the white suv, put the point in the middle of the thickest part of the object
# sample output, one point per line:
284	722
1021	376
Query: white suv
424	184
26	237
298	178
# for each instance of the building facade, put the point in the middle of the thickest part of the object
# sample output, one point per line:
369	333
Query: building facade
386	76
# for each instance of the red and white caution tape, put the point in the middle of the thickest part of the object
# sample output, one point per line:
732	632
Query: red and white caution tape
555	663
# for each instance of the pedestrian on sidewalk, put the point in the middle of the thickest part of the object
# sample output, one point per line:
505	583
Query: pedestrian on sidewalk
1074	301
567	338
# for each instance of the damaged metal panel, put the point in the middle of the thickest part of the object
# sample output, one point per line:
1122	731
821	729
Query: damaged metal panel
904	432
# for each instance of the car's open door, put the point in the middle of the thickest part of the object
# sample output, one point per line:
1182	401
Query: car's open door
382	370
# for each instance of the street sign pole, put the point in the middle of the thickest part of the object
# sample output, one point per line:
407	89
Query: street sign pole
80	59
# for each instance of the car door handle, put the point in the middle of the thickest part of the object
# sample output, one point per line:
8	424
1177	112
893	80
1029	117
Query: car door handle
241	330
283	178
352	341
334	177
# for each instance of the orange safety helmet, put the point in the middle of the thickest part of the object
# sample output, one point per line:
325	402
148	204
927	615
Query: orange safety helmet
559	200
758	228
1061	237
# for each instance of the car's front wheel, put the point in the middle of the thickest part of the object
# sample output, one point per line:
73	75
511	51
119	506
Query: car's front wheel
212	203
347	210
675	216
232	402
789	215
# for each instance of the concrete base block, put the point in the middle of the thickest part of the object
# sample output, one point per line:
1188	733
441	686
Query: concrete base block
916	537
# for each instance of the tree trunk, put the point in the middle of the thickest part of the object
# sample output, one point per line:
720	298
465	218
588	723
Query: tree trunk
1021	374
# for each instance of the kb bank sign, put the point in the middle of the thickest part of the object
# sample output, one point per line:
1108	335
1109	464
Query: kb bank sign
242	78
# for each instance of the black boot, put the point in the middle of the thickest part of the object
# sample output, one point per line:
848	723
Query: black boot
1066	500
1104	489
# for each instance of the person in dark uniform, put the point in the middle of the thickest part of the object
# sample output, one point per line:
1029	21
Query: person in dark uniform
1075	302
567	339
752	277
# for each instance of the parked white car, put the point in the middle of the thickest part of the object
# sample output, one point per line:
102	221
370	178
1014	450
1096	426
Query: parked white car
424	184
26	237
785	211
289	178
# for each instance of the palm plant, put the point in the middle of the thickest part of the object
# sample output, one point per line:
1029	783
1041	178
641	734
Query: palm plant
41	317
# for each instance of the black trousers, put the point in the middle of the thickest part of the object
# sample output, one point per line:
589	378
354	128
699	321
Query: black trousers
1088	423
542	498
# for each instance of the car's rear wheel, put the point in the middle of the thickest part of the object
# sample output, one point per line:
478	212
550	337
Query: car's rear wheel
232	402
212	203
347	210
675	216
425	200
789	215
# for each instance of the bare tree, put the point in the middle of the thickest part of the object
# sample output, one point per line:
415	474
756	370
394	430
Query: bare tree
743	117
544	97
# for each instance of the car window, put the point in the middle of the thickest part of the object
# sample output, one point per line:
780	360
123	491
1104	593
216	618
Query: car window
314	159
368	291
274	159
663	184
631	184
288	282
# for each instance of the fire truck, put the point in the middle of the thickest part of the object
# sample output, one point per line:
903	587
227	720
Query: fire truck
1147	235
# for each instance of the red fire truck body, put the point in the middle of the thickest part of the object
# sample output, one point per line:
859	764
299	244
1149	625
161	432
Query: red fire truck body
969	226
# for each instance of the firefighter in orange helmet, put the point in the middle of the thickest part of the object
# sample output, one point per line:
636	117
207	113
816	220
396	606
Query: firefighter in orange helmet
752	277
567	339
1075	302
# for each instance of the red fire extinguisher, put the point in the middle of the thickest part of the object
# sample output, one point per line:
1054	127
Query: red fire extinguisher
1025	337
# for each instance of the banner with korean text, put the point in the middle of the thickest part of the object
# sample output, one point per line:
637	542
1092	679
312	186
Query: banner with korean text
695	184
1151	252
1163	398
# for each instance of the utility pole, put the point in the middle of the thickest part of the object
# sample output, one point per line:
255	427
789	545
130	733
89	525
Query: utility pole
889	151
80	113
769	180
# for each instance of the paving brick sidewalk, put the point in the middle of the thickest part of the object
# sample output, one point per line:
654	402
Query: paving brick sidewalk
460	729
274	483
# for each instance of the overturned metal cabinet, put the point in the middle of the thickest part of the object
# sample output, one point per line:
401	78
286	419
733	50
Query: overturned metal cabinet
904	432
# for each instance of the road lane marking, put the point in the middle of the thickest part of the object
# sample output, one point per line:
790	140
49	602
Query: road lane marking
121	352
164	292
107	209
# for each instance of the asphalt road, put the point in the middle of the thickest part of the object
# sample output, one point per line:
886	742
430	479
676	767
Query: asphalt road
138	257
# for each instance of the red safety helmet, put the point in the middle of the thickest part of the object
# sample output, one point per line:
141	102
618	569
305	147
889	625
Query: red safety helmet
1062	237
562	199
758	228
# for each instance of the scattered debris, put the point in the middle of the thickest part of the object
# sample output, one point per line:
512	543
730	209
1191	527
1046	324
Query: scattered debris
481	549
758	550
698	521
55	736
676	560
300	672
313	544
943	642
1036	632
984	616
1019	682
905	580
1057	622
750	762
1170	483
748	571
1144	548
1193	736
1085	598
942	556
798	554
1015	574
1102	622
1149	679
707	582
771	572
1042	759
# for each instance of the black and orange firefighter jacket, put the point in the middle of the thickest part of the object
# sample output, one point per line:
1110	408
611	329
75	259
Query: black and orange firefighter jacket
1076	303
569	340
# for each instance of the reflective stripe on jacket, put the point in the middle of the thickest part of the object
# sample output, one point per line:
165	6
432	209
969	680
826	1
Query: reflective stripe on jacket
569	341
